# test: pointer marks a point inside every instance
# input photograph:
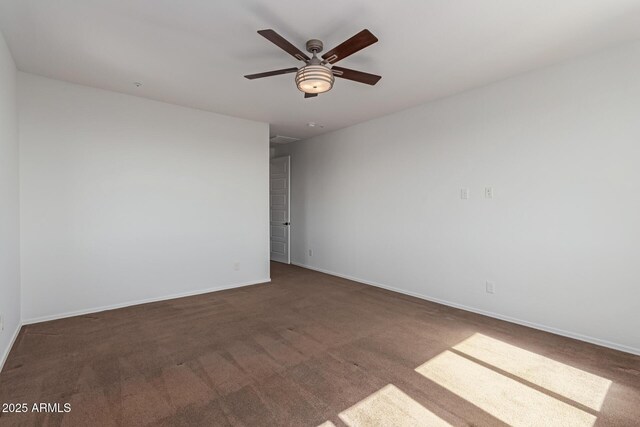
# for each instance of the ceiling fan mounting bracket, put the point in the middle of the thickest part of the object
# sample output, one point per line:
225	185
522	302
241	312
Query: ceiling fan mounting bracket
314	46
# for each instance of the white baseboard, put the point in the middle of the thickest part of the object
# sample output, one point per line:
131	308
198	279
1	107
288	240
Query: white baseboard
568	334
137	302
10	346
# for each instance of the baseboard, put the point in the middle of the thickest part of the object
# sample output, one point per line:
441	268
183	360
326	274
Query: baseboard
8	350
568	334
138	302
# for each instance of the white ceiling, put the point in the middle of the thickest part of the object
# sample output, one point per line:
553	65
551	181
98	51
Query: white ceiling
195	52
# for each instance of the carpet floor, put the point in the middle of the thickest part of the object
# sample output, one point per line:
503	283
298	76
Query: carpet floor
310	349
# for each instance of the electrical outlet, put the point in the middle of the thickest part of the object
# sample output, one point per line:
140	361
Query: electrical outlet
310	252
236	266
464	193
488	193
491	287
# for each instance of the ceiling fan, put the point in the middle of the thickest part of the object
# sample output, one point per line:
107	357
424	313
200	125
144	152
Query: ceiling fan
316	76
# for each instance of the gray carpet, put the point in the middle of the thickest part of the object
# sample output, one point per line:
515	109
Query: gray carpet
309	349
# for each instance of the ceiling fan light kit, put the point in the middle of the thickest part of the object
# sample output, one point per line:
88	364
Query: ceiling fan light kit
314	79
316	76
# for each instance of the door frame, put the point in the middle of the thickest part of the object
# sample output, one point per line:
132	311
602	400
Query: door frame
288	210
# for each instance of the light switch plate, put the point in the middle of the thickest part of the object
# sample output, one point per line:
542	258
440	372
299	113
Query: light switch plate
488	193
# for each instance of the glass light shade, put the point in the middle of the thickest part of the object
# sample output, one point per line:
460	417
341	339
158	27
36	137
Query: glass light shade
314	79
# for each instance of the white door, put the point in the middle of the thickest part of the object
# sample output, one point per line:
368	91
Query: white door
279	193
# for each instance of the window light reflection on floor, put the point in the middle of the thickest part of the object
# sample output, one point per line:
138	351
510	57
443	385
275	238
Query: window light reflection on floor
575	384
504	398
389	406
516	386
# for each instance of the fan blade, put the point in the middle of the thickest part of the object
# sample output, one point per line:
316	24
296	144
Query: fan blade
283	44
356	76
358	42
271	73
310	95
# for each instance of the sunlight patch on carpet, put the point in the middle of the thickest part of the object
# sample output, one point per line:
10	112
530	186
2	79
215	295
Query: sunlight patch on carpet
583	387
504	398
390	406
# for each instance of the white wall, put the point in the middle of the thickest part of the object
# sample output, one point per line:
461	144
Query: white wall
125	199
380	201
9	205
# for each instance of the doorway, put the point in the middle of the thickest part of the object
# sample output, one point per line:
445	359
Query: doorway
279	210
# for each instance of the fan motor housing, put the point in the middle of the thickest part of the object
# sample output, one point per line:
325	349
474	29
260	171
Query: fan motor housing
314	46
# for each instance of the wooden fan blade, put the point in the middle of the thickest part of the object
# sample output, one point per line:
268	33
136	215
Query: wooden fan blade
271	73
283	44
358	42
356	76
310	95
